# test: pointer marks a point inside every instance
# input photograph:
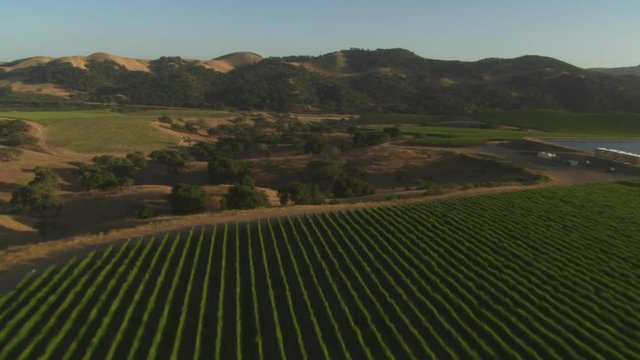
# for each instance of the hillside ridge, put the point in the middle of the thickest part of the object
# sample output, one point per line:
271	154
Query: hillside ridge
620	71
223	63
347	81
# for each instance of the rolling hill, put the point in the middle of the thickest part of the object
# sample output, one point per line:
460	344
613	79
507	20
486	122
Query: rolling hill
621	71
239	59
346	81
476	278
224	63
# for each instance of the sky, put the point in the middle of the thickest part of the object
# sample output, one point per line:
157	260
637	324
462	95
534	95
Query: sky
585	33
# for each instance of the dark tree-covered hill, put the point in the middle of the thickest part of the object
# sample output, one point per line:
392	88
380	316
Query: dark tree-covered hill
347	81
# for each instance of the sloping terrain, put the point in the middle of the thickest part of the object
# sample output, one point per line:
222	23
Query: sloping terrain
347	81
240	59
78	62
621	71
483	277
224	63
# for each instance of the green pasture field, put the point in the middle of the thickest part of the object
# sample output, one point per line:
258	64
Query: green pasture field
104	131
531	123
578	124
52	117
537	274
418	119
108	135
456	137
180	113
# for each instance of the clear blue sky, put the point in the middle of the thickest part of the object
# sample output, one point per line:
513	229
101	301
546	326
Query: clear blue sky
587	33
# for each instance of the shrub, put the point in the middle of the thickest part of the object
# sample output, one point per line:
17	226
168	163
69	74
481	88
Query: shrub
260	121
47	228
191	128
325	169
172	159
122	168
301	194
188	128
262	149
363	139
9	154
202	151
432	188
40	195
188	199
346	187
18	139
137	159
244	195
15	133
393	131
315	144
146	211
96	177
165	119
15	126
223	170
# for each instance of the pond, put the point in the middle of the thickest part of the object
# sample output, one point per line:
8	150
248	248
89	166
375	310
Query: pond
591	145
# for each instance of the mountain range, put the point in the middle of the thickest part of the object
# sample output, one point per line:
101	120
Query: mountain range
353	80
620	71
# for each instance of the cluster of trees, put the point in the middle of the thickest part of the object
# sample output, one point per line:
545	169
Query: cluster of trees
107	171
41	196
225	170
347	187
261	136
190	199
362	138
186	128
245	195
255	133
301	193
327	173
310	193
173	160
147	211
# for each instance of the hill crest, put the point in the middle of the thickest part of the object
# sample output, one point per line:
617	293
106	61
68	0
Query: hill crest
621	71
351	80
223	63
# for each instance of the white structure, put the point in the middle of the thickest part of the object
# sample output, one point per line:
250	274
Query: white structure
618	155
546	155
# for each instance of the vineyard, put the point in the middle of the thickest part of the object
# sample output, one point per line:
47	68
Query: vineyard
538	274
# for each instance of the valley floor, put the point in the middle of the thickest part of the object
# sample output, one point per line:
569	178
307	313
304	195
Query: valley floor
96	219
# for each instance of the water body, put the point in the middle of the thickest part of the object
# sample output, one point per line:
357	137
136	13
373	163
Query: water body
591	145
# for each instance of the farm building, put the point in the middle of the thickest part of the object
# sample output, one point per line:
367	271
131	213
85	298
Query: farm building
618	156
